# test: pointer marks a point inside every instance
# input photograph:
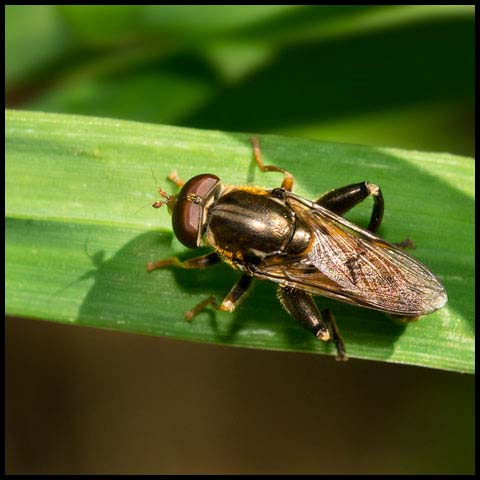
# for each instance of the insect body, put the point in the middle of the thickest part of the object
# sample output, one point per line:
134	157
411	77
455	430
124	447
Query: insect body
306	247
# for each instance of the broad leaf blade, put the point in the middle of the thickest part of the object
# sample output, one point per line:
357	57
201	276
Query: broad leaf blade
76	244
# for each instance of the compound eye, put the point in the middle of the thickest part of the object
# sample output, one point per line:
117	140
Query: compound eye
188	212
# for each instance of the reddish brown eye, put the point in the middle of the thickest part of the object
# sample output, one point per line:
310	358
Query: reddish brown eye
187	215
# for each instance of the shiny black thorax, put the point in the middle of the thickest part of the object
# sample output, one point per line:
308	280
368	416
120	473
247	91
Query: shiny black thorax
256	225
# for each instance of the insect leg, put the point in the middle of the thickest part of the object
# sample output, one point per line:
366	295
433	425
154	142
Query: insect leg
199	262
405	244
230	302
173	177
301	307
337	339
287	183
341	200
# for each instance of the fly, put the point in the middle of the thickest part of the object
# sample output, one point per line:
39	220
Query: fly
304	246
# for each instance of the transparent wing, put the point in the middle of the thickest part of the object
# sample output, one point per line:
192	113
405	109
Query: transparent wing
351	264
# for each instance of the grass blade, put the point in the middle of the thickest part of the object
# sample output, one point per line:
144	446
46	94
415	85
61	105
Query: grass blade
77	246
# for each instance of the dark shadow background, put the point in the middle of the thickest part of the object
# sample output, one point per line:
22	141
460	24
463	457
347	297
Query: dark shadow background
82	400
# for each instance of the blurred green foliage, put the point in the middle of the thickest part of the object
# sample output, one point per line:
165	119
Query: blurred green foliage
400	76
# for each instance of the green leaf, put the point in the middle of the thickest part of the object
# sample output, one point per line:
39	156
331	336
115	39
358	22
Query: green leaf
77	243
